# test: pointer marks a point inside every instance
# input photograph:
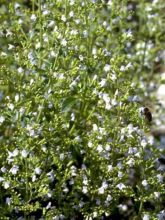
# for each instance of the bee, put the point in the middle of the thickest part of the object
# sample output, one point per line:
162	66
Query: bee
147	114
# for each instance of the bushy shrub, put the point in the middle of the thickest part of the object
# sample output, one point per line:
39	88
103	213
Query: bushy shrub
74	141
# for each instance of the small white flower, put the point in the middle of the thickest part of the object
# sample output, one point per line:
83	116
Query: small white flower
3	169
101	190
123	208
160	178
85	33
6	185
120	174
121	186
1	179
38	170
114	102
157	194
72	2
14	169
14	153
99	148
84	189
130	162
110	168
144	143
8	201
10	46
144	183
71	14
63	42
24	153
34	178
2	119
122	68
17	97
48	205
103	82
33	17
161	215
107	68
109	198
38	45
146	217
46	12
10	106
90	144
51	23
81	57
95	127
63	18
113	77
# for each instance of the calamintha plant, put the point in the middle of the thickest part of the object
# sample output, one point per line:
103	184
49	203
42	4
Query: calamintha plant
72	133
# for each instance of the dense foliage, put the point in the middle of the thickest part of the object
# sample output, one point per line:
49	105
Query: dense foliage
74	79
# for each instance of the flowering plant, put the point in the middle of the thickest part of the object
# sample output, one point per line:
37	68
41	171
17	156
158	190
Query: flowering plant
73	139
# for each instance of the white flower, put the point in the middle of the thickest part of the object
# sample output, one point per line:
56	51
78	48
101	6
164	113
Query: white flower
71	14
107	67
14	169
14	153
34	178
160	178
63	18
99	148
122	68
120	174
10	46
103	187
81	57
38	45
123	207
1	179
84	189
143	143
6	185
8	201
46	12
157	194
90	144
51	23
121	186
48	205
17	97
3	169
161	215
95	127
24	153
2	119
110	168
63	42
130	162
85	33
114	102
101	190
103	82
113	77
33	17
146	217
72	2
10	106
38	170
144	183
109	198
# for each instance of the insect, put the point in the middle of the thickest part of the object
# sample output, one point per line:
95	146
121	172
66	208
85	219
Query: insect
147	114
